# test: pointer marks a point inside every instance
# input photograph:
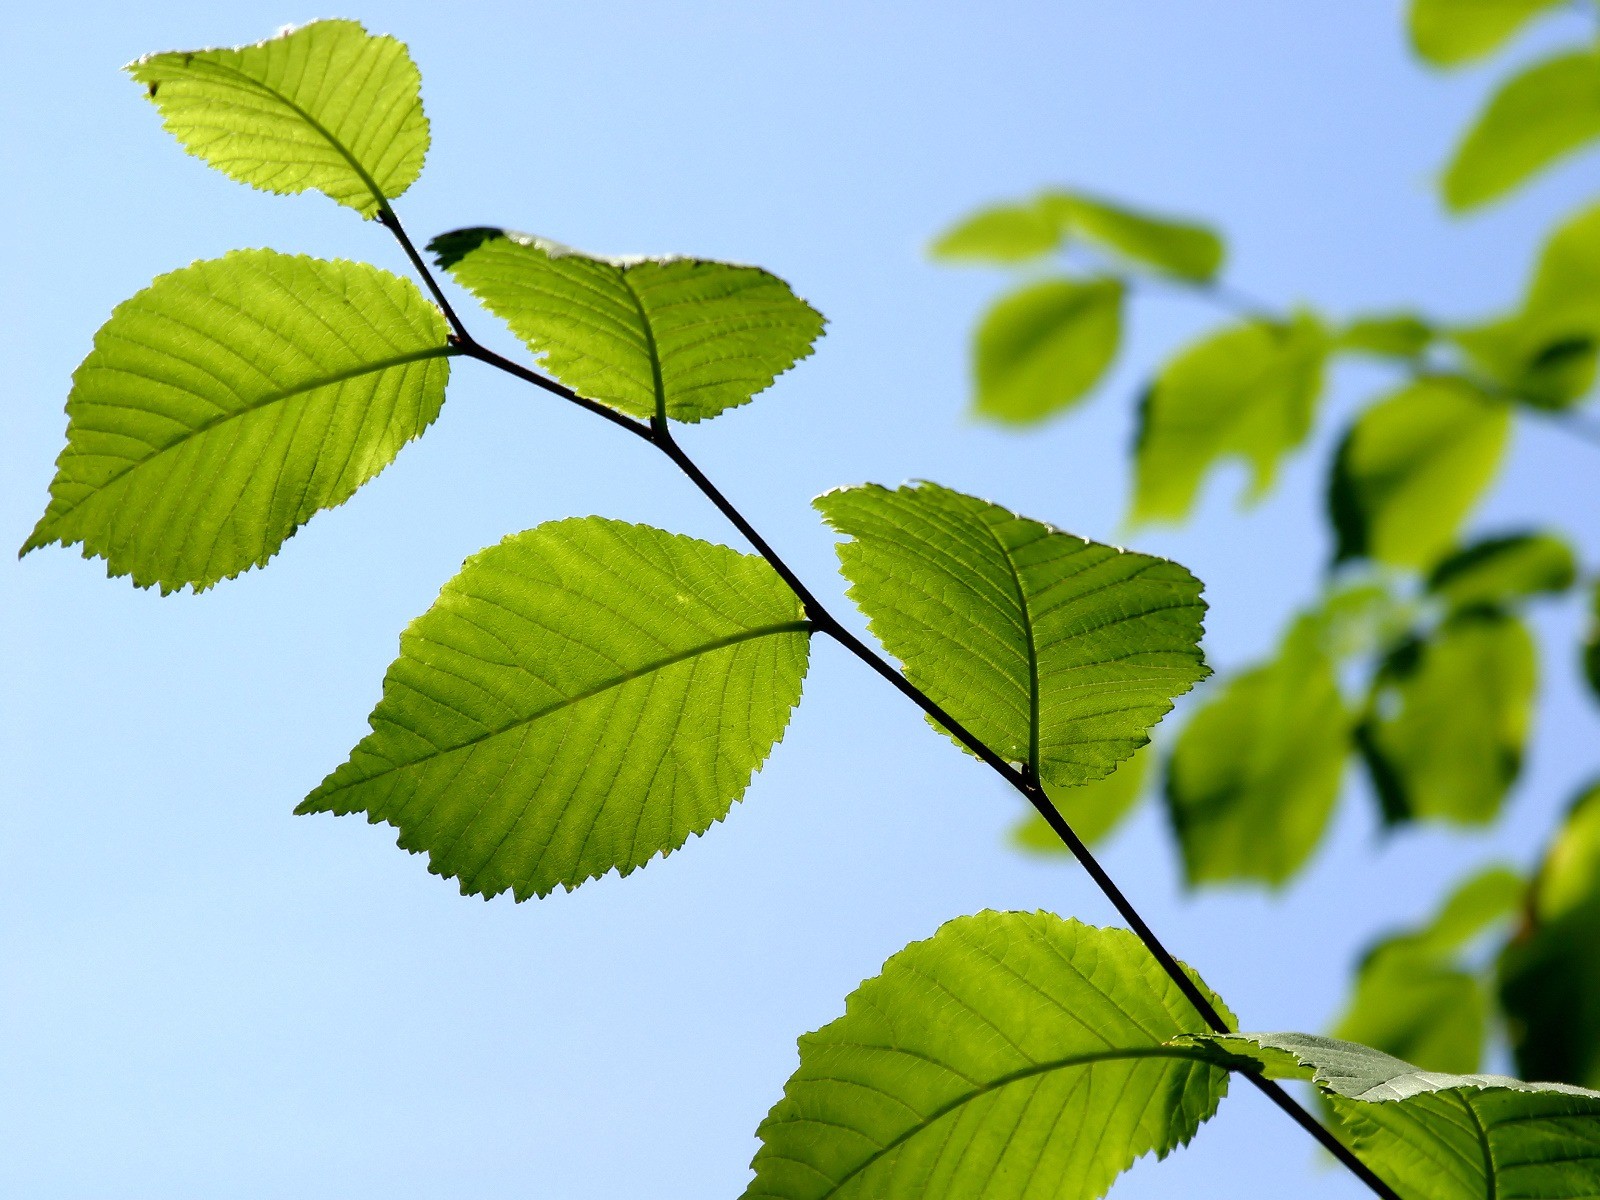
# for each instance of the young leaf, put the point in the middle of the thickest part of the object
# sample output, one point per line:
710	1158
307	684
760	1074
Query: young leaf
1544	353
1450	32
1413	997
1179	248
1536	117
1010	1055
1501	570
1002	234
1412	467
1450	716
1092	809
1255	772
673	337
229	401
1395	335
1045	345
1246	392
1444	1137
581	697
1057	652
1550	971
324	106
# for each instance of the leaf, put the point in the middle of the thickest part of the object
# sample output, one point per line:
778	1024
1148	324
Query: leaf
1389	335
228	402
1412	467
1450	717
324	106
1544	353
1501	570
1256	770
682	338
1246	392
1591	645
1175	247
1055	651
1003	234
1092	809
1550	971
581	697
1413	996
1450	32
1045	345
1009	1055
1538	116
1439	1136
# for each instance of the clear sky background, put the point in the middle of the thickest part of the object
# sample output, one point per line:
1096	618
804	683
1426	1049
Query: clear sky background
202	995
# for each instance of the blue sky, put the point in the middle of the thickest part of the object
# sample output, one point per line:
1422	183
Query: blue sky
205	996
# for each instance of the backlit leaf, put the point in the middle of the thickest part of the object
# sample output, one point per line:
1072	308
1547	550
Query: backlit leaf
581	697
1175	247
1433	1136
1045	345
324	106
1505	569
1397	335
1412	467
1003	234
229	401
1057	652
1550	971
1092	809
1536	117
1450	32
1450	717
1255	771
677	337
1246	392
1010	1055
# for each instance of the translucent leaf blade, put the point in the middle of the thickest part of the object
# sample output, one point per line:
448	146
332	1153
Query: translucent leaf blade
1537	117
1255	772
1443	1136
1411	469
1001	235
1450	32
325	106
1010	1055
680	337
582	697
1044	346
1055	651
1246	393
1185	249
231	400
1503	570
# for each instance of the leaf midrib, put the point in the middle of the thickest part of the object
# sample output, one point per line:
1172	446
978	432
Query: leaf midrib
276	397
1076	1060
744	635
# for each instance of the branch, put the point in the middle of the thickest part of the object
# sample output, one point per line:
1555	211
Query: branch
659	434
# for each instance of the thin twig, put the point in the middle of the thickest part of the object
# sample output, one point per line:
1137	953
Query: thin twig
659	434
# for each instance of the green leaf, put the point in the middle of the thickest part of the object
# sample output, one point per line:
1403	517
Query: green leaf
1443	1137
1450	715
1389	335
1501	570
1255	772
1450	32
1045	345
1058	653
1010	1055
682	338
1550	971
1175	247
325	106
1247	392
228	402
1538	116
1412	467
1413	998
581	697
1003	234
1545	352
1092	809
